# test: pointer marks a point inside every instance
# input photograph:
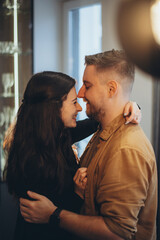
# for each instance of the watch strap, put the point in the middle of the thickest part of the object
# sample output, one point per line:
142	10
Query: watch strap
55	218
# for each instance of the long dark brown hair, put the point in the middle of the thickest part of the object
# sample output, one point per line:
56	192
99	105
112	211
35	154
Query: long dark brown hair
40	152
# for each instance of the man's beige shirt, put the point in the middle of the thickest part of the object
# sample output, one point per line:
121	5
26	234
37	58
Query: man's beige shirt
122	180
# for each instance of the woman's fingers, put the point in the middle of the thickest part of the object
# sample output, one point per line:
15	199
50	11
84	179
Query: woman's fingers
80	174
132	113
84	182
80	180
135	117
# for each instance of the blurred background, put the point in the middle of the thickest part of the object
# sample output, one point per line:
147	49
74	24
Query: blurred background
38	35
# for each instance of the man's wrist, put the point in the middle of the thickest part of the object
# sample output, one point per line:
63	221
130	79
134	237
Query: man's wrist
54	219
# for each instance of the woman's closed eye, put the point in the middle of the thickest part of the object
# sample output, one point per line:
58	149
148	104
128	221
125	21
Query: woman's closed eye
75	102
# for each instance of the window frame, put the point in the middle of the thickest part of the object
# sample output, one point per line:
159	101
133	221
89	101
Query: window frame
67	7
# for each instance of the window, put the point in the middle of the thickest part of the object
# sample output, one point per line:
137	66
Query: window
84	38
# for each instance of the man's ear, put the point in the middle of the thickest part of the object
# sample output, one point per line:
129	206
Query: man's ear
112	88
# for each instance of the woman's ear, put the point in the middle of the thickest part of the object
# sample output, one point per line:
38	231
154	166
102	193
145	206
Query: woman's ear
112	88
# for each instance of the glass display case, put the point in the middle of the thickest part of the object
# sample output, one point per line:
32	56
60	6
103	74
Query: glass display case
15	62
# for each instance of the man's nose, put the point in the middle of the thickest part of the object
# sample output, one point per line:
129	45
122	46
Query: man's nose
81	92
79	108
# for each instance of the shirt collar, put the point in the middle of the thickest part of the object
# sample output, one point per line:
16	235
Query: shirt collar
112	127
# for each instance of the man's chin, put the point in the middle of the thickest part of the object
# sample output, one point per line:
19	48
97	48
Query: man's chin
91	115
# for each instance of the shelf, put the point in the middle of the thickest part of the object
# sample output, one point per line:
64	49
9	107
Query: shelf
6	12
15	59
3	95
26	53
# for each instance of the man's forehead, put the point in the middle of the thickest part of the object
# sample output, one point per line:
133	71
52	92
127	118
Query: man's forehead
90	68
89	75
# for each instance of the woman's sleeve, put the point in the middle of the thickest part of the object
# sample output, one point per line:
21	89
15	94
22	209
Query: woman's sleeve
77	203
83	129
72	202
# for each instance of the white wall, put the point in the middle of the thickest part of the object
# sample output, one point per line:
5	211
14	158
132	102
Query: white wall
49	51
47	35
142	91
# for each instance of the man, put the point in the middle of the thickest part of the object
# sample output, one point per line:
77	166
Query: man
121	193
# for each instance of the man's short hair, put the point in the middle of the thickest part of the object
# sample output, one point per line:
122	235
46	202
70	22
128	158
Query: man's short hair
116	60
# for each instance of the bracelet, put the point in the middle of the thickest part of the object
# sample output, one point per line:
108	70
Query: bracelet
54	219
138	106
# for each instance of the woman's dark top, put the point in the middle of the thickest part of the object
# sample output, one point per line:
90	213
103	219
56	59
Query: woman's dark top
66	200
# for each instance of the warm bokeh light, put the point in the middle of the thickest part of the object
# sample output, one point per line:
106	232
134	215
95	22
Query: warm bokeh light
138	26
155	20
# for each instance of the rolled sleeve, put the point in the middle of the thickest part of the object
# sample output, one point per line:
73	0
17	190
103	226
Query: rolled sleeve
122	190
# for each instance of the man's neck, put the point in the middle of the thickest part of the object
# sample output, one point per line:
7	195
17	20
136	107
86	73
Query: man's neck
110	116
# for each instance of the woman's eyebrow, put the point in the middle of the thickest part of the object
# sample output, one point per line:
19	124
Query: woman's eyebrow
74	99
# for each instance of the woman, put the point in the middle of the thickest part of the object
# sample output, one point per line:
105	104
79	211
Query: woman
40	156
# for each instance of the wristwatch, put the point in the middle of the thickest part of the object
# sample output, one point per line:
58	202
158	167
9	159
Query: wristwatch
54	219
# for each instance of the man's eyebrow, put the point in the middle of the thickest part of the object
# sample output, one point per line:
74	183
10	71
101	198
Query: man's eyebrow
86	82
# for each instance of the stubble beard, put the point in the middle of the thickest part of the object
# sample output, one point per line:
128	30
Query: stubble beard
94	114
97	114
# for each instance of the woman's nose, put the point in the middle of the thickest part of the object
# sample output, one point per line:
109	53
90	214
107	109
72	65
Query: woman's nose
79	108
